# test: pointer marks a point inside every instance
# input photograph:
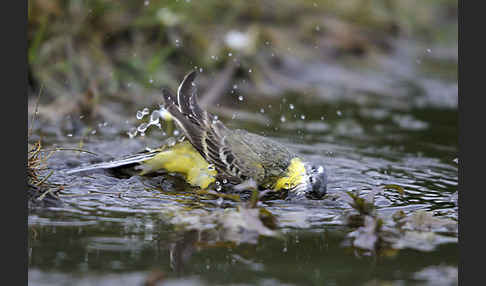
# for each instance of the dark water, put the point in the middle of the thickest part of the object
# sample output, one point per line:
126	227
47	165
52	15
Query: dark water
122	230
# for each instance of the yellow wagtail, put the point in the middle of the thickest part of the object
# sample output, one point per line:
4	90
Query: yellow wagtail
210	152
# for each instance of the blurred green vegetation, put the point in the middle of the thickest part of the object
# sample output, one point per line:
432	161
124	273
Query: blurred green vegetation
102	47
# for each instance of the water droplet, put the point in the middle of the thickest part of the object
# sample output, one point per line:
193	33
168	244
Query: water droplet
282	119
230	54
291	106
249	70
225	181
211	167
201	69
339	113
218	188
220	201
262	110
240	98
132	133
302	116
318	28
142	127
154	117
141	114
322	117
171	141
235	86
176	132
70	135
218	183
93	132
151	81
429	51
146	2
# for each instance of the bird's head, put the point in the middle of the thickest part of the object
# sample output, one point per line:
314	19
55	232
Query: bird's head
304	179
317	180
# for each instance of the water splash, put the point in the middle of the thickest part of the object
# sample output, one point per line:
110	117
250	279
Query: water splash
141	113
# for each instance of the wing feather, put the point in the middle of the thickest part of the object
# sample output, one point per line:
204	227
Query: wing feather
205	132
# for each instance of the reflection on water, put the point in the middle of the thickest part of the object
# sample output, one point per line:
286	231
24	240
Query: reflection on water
136	248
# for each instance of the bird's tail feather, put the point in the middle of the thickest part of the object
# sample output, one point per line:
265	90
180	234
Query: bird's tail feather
115	163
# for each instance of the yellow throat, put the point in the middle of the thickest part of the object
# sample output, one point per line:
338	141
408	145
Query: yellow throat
295	176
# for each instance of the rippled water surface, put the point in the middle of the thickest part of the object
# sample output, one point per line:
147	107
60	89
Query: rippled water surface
118	229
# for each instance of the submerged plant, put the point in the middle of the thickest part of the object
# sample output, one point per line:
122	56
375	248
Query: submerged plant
38	182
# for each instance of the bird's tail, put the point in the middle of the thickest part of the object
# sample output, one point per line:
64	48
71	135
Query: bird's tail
129	160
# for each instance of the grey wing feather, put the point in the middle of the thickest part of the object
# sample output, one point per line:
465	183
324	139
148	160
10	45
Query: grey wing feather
197	124
115	163
186	90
